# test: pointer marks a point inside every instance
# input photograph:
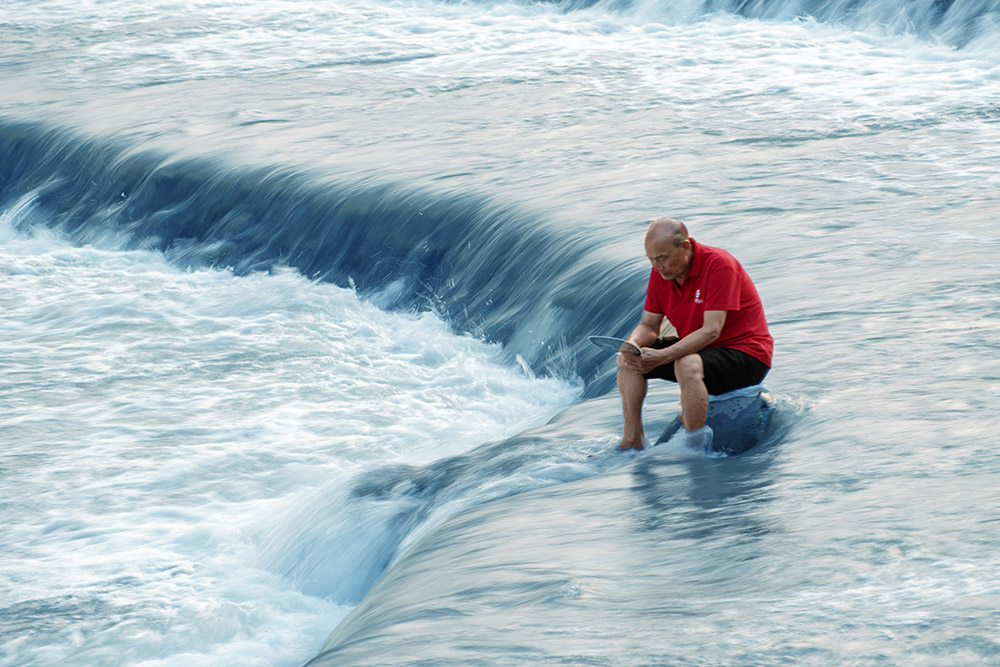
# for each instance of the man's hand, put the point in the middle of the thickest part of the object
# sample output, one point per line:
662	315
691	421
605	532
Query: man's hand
642	363
629	347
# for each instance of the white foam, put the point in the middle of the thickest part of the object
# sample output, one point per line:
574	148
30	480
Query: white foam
150	415
147	416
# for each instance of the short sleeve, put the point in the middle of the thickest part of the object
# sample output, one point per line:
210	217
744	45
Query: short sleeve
722	286
653	304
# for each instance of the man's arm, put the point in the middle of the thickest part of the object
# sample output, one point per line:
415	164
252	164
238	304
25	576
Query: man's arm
648	330
709	332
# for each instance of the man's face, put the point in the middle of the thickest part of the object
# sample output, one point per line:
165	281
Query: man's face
670	261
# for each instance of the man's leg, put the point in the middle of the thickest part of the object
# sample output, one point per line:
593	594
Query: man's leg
632	387
690	372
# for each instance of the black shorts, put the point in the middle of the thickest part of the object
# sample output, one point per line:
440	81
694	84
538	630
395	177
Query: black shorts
726	369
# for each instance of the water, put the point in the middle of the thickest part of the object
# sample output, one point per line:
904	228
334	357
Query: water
295	304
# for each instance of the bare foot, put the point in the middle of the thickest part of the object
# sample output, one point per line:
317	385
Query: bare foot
632	443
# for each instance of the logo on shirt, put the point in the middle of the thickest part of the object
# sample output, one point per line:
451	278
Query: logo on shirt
697	296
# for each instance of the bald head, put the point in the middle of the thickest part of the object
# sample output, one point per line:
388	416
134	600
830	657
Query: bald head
668	248
668	230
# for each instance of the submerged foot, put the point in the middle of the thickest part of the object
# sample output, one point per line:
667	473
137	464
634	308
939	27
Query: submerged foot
632	443
699	439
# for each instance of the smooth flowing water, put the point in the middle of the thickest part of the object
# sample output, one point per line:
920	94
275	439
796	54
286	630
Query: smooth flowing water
295	298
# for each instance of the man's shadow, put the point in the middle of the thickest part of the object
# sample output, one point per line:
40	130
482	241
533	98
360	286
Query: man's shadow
692	495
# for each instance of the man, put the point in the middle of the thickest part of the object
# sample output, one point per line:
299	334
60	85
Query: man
723	339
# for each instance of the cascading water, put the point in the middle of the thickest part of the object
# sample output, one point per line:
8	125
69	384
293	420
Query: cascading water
293	358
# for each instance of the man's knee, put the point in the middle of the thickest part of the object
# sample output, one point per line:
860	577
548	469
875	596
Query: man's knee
622	367
688	368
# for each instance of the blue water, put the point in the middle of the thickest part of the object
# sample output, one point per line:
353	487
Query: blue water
293	318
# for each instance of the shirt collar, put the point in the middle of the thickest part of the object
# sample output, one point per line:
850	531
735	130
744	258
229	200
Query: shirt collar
696	260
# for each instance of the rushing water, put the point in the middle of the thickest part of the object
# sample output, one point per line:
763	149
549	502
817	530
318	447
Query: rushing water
295	297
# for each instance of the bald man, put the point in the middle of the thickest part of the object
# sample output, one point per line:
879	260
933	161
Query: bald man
723	343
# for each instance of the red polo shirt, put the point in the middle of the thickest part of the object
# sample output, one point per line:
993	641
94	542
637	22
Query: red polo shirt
716	281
